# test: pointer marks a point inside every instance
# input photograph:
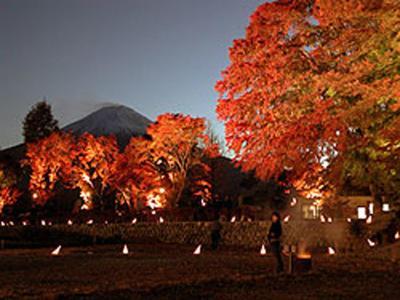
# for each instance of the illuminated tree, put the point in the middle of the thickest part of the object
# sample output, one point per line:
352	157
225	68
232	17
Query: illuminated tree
373	162
307	81
8	196
50	161
179	146
93	167
86	163
8	190
135	175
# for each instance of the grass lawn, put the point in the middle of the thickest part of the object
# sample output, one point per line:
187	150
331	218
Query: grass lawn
172	272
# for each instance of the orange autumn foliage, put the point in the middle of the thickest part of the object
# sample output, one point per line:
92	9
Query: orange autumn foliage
8	196
86	163
171	158
94	166
135	174
50	161
301	80
9	192
179	148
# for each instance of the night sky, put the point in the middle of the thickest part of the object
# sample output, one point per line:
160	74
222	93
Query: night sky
154	56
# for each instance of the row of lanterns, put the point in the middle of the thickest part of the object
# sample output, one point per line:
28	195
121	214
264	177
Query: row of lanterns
69	222
197	250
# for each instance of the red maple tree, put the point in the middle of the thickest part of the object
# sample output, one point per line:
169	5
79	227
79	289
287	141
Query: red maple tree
300	88
179	148
93	167
135	175
9	192
50	161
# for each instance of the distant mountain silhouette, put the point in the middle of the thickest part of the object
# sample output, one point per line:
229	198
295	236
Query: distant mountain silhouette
118	120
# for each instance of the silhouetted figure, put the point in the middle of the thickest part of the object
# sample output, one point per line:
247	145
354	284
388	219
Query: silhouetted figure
216	233
274	235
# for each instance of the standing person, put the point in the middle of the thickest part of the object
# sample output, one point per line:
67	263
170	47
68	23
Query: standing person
274	235
215	233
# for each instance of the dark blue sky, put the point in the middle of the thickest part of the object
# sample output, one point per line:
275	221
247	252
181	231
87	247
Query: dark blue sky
155	56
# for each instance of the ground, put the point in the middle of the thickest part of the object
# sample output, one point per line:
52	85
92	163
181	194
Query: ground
172	272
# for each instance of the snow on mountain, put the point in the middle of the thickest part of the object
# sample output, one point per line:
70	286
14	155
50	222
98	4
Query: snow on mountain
118	120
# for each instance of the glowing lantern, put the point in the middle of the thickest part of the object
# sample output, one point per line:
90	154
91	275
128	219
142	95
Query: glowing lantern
331	251
348	220
322	218
385	207
233	219
203	203
125	250
371	208
43	222
293	202
56	251
35	195
162	190
134	221
286	219
371	243
153	212
329	220
361	213
69	222
263	250
161	220
197	251
24	223
369	220
11	223
105	222
3	224
90	222
397	235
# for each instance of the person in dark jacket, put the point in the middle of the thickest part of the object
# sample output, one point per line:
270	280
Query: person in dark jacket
274	235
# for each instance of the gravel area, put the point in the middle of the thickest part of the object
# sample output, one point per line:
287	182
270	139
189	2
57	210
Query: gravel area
159	271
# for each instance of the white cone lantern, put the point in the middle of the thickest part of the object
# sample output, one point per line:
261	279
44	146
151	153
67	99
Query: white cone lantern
56	251
197	251
263	250
125	250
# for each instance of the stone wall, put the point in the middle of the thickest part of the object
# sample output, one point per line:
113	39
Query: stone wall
242	234
314	234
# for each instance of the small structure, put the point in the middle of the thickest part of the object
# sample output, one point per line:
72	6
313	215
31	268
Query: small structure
56	251
197	251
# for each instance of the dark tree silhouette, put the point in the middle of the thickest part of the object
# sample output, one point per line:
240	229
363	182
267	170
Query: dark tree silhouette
39	122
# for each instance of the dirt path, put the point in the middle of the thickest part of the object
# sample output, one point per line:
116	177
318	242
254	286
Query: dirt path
172	272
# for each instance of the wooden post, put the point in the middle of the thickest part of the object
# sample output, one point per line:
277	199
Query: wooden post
292	250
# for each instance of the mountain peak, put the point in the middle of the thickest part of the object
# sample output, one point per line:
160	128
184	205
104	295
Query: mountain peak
118	120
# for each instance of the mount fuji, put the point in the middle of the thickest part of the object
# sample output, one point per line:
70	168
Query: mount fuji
118	120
